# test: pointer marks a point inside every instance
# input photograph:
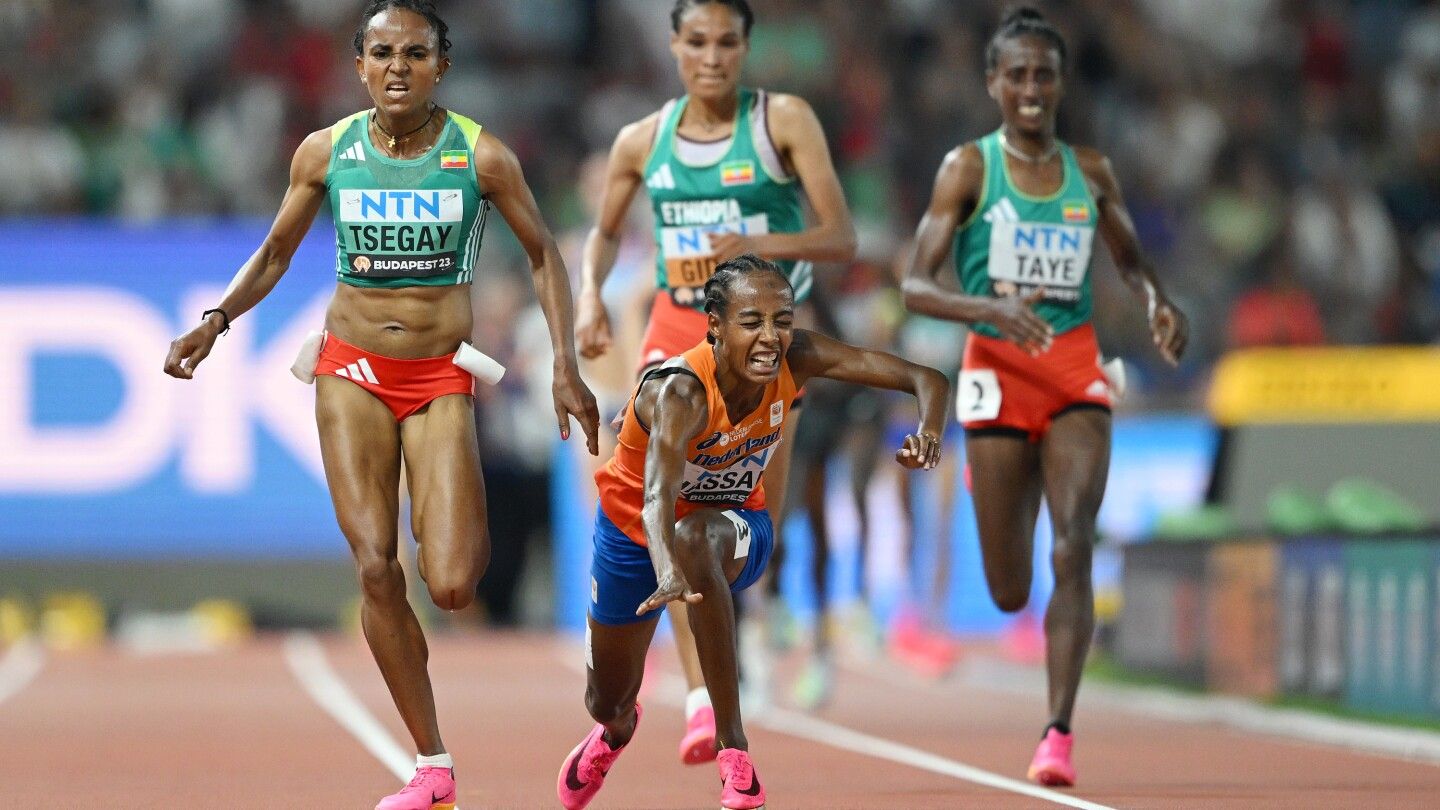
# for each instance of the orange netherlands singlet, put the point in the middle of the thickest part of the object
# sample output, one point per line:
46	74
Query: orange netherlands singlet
723	463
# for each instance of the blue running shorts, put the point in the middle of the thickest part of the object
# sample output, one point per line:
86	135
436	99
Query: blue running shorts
621	576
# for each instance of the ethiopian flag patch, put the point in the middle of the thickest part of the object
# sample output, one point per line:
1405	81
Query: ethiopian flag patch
1075	211
456	159
737	173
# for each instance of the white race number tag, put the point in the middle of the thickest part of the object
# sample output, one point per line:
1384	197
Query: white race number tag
979	396
742	534
1040	254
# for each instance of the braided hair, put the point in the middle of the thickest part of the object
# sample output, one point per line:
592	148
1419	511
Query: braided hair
1023	21
718	288
425	8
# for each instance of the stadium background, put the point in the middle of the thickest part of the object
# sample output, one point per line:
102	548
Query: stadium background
1281	159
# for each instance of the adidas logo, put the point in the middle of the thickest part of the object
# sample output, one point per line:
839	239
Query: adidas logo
662	178
1098	389
1003	211
359	371
356	152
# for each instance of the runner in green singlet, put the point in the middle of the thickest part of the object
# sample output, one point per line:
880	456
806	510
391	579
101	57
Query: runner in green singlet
1019	209
724	166
408	184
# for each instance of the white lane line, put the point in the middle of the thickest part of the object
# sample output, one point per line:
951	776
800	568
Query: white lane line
1241	714
21	664
671	690
1287	725
820	731
310	667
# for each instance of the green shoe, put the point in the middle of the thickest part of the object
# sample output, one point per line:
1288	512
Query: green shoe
1208	522
1292	511
1362	506
782	629
813	688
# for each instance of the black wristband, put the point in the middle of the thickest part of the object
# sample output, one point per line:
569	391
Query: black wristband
223	329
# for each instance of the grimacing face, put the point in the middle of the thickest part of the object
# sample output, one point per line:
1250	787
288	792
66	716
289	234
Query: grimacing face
401	62
710	50
755	332
1027	84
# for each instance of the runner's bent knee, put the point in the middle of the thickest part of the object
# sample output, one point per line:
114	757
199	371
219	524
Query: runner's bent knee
606	706
1009	582
451	597
1009	597
695	546
381	578
1071	555
454	563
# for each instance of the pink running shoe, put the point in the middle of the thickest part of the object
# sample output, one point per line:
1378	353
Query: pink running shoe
698	744
929	653
740	788
1024	640
1051	766
430	789
584	770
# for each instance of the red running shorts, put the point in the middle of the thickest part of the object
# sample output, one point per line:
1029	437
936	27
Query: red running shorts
405	386
671	330
1004	390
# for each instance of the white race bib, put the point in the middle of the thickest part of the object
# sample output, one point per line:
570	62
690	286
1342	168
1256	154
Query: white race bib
401	205
978	398
729	484
689	259
1031	254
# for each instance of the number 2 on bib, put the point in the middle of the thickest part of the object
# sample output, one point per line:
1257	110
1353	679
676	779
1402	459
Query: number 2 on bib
978	398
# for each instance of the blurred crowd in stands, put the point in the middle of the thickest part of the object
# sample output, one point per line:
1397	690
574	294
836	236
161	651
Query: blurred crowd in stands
1281	157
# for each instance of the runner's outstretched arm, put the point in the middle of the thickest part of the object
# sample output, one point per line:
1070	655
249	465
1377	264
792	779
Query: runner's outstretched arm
814	355
677	414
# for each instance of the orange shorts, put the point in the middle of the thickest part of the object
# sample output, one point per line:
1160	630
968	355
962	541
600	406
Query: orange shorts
405	386
1004	390
672	330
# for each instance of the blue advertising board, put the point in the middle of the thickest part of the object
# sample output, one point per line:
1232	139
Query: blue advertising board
1312	617
102	454
1157	463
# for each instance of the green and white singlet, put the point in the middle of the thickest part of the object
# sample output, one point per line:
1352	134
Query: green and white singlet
740	190
405	223
1014	242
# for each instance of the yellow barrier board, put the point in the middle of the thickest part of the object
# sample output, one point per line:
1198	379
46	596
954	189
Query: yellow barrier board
1373	384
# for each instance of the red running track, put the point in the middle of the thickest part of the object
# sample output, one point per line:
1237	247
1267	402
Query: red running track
237	729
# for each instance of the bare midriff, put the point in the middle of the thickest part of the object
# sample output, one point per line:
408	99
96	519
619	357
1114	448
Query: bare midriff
406	323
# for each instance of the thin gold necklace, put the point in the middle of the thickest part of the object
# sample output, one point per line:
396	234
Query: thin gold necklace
374	119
